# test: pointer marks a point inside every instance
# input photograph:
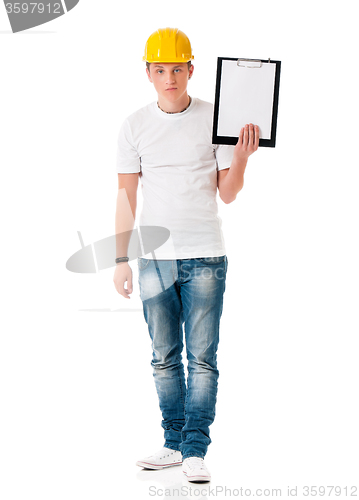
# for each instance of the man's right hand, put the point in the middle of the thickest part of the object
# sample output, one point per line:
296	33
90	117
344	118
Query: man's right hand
123	273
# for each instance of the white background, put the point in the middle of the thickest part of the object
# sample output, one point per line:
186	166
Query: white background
78	401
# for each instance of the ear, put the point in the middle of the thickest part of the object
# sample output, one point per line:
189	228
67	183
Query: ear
191	72
149	76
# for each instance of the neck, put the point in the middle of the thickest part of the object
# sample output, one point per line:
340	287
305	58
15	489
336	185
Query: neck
174	107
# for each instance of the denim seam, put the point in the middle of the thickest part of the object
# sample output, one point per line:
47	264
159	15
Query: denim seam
140	259
183	400
178	359
174	263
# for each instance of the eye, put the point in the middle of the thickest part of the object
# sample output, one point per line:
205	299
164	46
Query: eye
177	69
159	70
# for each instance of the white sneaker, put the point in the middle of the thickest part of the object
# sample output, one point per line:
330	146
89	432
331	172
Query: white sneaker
163	458
195	469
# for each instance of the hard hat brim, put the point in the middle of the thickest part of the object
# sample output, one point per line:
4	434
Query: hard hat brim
178	60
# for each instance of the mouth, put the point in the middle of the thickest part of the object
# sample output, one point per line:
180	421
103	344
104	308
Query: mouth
172	88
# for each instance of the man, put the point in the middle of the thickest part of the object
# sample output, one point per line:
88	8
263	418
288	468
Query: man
168	143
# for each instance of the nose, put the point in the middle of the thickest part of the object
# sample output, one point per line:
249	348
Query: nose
170	79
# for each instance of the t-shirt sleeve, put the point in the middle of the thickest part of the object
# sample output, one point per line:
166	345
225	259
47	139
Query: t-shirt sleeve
127	160
224	155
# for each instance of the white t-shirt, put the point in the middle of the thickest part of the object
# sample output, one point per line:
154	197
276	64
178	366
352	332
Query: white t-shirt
179	167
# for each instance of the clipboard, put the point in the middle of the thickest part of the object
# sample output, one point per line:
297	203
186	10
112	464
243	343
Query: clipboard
247	91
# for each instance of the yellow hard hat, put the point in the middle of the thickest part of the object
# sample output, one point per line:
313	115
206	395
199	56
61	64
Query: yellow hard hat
168	45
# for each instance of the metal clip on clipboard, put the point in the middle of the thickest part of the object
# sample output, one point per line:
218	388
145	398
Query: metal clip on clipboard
250	63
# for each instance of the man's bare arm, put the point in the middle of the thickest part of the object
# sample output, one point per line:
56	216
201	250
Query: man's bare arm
231	182
125	211
124	224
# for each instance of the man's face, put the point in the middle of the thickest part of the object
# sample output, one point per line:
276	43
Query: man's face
170	79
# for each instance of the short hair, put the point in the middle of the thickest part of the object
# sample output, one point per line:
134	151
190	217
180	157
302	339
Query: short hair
189	64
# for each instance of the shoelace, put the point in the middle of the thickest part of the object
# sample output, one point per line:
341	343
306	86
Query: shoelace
163	453
196	462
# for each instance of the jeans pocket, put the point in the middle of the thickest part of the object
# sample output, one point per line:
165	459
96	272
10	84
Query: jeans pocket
142	263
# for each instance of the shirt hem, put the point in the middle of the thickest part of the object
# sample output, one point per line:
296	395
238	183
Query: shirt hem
184	256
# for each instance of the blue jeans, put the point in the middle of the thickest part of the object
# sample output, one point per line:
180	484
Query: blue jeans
174	292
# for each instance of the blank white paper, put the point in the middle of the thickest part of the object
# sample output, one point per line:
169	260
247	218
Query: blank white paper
246	96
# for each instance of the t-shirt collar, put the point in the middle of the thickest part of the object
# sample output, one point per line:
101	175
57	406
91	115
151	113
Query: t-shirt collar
174	116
